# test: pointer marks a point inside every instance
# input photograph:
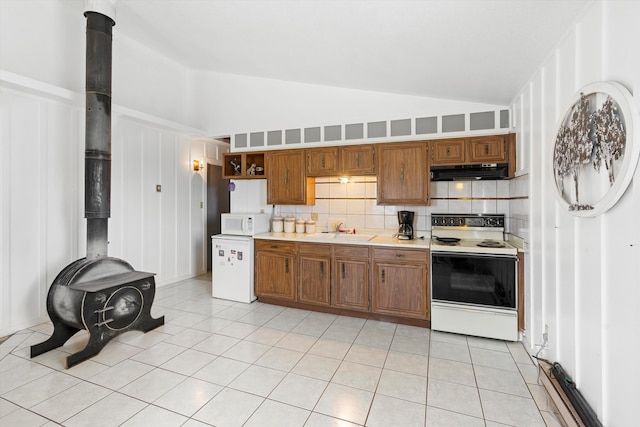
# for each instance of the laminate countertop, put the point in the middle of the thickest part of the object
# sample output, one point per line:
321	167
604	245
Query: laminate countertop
349	239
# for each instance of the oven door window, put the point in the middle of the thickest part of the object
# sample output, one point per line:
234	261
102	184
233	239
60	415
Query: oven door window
474	279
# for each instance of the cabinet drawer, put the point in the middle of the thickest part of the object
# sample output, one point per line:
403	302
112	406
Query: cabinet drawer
390	254
275	245
350	251
314	248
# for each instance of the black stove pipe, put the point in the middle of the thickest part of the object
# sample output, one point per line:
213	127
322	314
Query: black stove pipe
97	187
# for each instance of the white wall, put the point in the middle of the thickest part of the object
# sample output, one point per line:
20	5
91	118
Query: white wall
45	40
225	104
582	275
42	193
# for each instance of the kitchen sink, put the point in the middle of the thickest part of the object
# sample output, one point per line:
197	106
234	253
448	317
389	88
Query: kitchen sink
341	237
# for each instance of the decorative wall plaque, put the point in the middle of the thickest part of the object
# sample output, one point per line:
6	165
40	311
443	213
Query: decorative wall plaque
596	149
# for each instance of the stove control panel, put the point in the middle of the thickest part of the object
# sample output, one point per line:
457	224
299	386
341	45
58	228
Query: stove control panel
468	220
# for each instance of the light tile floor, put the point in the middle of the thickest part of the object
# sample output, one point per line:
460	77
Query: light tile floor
221	363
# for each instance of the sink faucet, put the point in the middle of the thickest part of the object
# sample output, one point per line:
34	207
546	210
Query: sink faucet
339	226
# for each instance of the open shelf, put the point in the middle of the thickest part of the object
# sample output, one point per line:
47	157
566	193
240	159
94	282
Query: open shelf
244	165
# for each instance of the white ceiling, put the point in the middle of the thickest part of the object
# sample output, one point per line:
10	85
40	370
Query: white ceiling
473	50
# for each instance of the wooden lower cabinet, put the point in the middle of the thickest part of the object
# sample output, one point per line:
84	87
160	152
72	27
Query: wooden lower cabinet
350	285
314	279
275	269
345	279
400	283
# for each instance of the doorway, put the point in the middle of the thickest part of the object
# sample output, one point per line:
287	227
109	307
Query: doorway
217	203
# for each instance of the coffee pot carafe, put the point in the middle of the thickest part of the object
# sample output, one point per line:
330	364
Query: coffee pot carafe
405	219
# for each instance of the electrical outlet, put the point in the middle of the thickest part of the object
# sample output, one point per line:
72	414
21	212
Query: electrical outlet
314	216
545	336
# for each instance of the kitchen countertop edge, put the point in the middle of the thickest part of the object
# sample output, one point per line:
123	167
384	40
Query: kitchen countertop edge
378	240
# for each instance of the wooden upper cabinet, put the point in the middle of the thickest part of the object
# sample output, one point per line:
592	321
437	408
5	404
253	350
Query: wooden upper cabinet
488	149
287	181
334	161
448	152
357	160
323	161
403	174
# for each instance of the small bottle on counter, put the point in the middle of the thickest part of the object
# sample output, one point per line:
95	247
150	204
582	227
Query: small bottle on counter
277	225
300	225
289	224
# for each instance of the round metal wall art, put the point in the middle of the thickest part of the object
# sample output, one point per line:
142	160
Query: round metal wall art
596	149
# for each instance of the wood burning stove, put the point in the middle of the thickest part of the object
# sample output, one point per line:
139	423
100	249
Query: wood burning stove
100	294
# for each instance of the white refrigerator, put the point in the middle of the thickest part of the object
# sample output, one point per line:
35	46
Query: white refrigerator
232	268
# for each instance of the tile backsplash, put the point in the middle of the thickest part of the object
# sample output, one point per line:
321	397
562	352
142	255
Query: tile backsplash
354	203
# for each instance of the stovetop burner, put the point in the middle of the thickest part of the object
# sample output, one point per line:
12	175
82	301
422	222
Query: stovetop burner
448	240
491	244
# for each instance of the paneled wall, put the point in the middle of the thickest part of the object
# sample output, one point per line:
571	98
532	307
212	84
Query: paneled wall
582	272
42	196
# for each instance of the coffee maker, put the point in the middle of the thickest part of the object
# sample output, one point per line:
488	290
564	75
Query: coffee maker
405	218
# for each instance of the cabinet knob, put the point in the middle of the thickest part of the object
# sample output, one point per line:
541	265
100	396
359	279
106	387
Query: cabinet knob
402	173
357	160
400	255
286	265
486	149
344	273
322	269
322	161
383	276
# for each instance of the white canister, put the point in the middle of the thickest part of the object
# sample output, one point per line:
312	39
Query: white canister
289	224
277	225
310	226
300	226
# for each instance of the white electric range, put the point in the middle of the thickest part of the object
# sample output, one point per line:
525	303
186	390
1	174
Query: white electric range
473	276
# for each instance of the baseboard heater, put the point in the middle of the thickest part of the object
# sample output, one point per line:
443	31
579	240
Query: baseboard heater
572	406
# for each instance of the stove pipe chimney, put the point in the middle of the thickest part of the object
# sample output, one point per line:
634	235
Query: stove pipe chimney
98	130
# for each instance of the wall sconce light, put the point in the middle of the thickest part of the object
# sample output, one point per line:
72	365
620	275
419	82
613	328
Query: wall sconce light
197	165
344	180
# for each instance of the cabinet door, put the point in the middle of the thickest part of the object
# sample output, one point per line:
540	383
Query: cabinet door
487	149
275	275
350	287
358	160
403	177
314	284
287	183
322	161
400	289
448	152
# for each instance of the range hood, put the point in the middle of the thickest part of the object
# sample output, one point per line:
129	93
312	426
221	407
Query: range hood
470	172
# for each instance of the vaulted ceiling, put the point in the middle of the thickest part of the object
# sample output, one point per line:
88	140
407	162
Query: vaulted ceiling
472	50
